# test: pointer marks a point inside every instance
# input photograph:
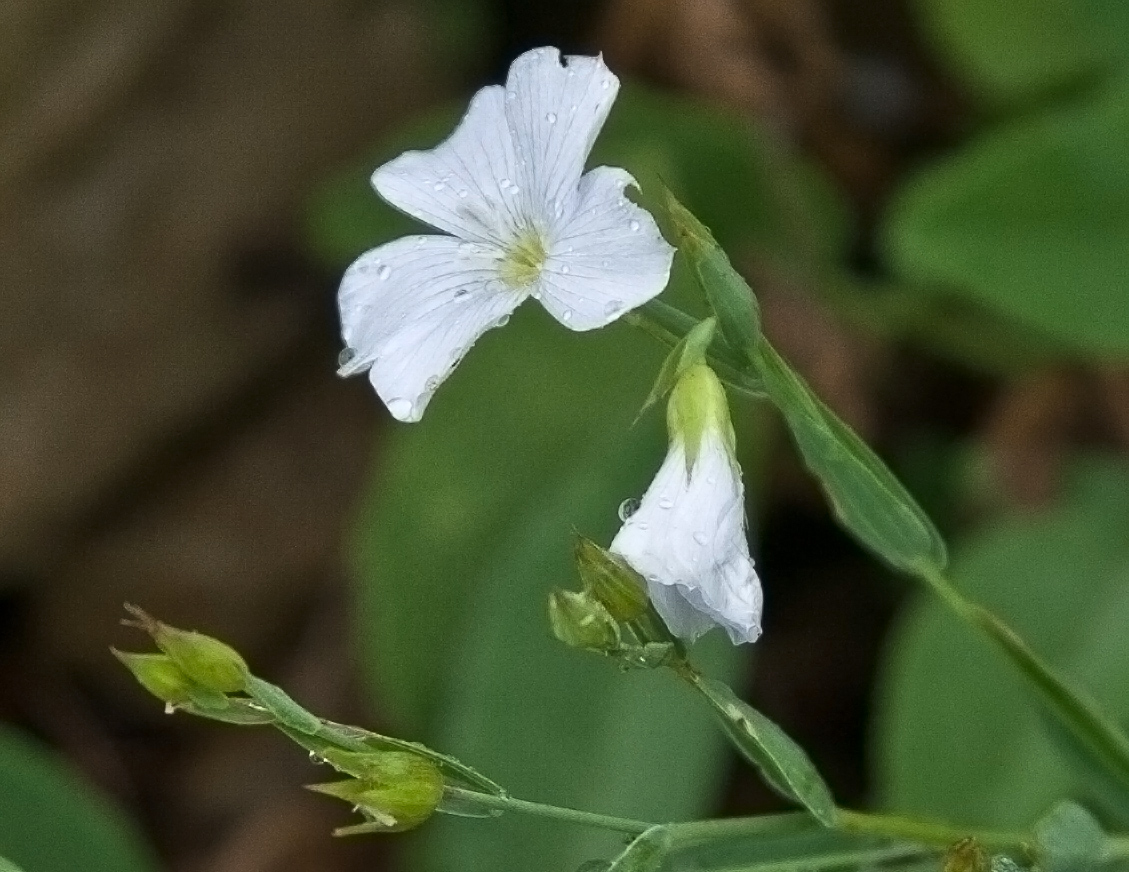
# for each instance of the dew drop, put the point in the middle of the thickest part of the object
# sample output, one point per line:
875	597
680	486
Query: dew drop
551	117
536	295
347	356
503	321
566	315
666	503
642	525
652	577
607	83
431	384
511	95
604	262
438	186
467	249
400	408
572	109
504	183
463	193
565	269
634	225
711	479
628	508
569	249
420	240
701	538
384	272
460	293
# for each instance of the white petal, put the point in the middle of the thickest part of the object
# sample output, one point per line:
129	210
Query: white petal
467	185
687	539
555	112
607	256
412	308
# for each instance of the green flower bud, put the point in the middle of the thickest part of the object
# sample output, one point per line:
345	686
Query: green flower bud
158	674
610	580
581	621
967	855
206	661
697	405
398	791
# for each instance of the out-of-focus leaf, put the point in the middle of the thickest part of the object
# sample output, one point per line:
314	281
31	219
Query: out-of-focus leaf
1069	839
1030	220
1010	51
785	766
959	735
8	866
468	526
52	821
867	498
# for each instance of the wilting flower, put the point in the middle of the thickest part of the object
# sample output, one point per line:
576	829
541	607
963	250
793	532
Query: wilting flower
524	220
687	537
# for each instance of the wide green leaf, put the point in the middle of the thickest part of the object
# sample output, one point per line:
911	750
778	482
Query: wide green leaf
1013	51
865	496
959	732
1031	221
51	820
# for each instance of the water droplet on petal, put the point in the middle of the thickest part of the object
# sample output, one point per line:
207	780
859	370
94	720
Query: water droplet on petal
666	503
384	272
551	117
504	183
604	262
420	240
701	538
511	95
565	269
432	383
711	479
566	315
503	321
628	508
467	249
347	356
634	225
463	193
652	577
536	295
400	408
438	186
572	109
642	525
607	83
460	293
613	307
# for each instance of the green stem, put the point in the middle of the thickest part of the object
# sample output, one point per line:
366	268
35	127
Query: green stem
835	860
540	809
929	832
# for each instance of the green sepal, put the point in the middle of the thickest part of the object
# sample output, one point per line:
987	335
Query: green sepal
690	350
208	662
783	764
158	674
728	294
580	620
697	404
397	792
866	497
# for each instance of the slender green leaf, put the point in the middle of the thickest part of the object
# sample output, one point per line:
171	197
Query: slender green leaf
690	350
866	497
1030	220
51	820
958	735
280	704
1069	839
784	764
646	853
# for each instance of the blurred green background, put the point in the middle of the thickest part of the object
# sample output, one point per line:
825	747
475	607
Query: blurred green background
931	199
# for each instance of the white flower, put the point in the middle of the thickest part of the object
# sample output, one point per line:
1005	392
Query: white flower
524	221
687	537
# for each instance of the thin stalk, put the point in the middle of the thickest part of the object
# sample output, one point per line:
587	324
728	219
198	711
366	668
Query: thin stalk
556	812
836	860
929	832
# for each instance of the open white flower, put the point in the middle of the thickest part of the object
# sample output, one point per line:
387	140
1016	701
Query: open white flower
687	537
524	221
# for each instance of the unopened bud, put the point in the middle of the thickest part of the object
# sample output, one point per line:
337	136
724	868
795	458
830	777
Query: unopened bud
399	791
581	621
698	404
610	580
206	661
158	674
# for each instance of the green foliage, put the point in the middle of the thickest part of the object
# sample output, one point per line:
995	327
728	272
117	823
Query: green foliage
958	736
1069	839
1015	51
52	821
866	497
1030	220
783	763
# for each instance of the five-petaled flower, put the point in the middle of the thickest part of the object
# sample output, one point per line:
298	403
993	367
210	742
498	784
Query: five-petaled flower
524	220
687	537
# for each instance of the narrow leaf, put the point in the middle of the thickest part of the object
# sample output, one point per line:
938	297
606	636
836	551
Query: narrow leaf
866	497
729	295
646	853
280	704
1069	839
783	764
691	349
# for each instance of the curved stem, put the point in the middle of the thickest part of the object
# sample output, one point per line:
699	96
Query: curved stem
540	809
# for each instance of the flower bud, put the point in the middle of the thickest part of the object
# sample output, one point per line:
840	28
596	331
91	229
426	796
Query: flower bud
610	580
397	792
206	661
158	674
581	621
697	405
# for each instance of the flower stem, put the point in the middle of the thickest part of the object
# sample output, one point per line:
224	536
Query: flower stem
928	832
540	809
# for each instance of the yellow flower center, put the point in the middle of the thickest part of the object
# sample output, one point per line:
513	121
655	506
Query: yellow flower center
523	260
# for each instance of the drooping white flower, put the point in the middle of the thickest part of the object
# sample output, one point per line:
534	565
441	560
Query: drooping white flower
687	537
524	220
